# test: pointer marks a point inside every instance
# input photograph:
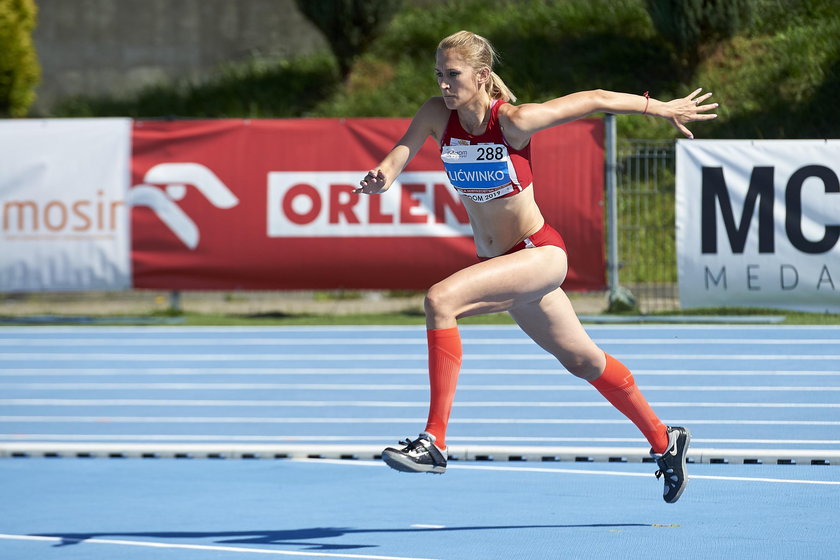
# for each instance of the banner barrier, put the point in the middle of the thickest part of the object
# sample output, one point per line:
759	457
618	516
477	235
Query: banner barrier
259	204
758	224
268	204
63	221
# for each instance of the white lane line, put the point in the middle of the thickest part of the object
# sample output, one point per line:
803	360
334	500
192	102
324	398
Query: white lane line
165	330
152	544
575	471
168	330
212	386
730	373
234	342
385	387
348	371
389	438
735	341
240	370
619	473
390	341
352	421
386	404
210	357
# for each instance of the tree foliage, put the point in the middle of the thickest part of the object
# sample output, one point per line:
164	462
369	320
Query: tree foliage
19	68
349	26
693	25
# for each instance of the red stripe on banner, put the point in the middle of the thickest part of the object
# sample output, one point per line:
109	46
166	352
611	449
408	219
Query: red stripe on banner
267	204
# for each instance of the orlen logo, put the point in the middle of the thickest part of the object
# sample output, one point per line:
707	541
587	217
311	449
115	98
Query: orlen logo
322	204
176	177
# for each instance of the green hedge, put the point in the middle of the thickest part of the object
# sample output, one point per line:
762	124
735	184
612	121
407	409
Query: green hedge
19	69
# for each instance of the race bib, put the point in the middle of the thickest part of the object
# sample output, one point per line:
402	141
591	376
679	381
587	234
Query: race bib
478	172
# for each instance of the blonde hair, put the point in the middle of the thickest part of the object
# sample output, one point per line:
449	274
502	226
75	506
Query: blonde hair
478	53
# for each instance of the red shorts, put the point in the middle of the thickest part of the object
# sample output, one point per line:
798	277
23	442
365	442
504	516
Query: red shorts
546	235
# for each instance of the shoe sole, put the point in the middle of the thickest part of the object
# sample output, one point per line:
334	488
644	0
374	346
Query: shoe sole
402	464
682	462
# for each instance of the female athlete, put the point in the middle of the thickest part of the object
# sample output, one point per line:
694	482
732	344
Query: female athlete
485	149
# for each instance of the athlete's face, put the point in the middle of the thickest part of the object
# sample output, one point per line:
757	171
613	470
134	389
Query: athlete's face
457	80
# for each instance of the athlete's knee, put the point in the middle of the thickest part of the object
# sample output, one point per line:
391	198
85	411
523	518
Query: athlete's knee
586	365
439	303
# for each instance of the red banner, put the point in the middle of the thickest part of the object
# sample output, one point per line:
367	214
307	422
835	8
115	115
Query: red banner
267	204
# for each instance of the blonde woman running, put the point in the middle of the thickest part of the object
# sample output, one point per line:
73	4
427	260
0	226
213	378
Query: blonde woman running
485	148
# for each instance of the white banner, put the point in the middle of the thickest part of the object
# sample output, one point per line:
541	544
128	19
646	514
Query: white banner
63	220
758	223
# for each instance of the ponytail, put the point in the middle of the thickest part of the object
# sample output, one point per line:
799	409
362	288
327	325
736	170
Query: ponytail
498	90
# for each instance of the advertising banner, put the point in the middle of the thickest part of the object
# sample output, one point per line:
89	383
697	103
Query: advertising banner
758	223
268	204
63	220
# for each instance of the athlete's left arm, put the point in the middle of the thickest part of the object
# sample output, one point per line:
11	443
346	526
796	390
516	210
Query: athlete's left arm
522	121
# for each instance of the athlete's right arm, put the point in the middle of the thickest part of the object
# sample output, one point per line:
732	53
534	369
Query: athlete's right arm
430	120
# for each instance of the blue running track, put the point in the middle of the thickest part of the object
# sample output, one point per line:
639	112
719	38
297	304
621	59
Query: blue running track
544	467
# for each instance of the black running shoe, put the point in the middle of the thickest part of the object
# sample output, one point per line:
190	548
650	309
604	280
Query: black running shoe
420	455
672	463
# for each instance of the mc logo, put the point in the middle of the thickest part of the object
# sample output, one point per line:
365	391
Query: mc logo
715	194
176	177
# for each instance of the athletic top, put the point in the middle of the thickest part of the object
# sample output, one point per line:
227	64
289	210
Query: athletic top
485	167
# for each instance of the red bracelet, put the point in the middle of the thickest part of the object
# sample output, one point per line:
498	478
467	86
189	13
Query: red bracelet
647	101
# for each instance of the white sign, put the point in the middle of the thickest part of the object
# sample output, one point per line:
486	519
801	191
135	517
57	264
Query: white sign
758	224
63	219
322	204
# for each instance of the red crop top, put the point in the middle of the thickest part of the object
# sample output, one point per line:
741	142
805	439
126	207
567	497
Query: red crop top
484	167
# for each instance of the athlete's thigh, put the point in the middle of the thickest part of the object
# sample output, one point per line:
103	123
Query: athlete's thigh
503	282
552	323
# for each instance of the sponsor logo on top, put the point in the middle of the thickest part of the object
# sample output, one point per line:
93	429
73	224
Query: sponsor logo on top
175	178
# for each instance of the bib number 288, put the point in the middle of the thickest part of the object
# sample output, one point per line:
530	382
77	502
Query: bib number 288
490	153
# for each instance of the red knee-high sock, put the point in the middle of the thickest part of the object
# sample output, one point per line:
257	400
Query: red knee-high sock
618	386
445	355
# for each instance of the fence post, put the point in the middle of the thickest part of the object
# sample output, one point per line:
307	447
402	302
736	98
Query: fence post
620	299
175	301
612	205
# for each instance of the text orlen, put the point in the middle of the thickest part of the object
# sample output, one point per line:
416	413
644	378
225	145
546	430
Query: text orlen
322	204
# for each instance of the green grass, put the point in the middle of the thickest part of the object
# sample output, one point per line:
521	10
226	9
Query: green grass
359	319
395	319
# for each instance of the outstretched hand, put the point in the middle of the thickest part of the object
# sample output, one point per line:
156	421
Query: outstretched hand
688	109
373	183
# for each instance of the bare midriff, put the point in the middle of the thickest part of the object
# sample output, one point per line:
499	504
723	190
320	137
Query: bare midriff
500	224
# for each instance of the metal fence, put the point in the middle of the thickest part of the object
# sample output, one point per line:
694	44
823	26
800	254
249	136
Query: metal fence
641	222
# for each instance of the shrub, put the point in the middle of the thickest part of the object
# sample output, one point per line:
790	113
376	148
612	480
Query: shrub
349	26
19	69
692	25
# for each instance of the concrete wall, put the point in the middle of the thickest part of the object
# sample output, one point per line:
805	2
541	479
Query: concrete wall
95	47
